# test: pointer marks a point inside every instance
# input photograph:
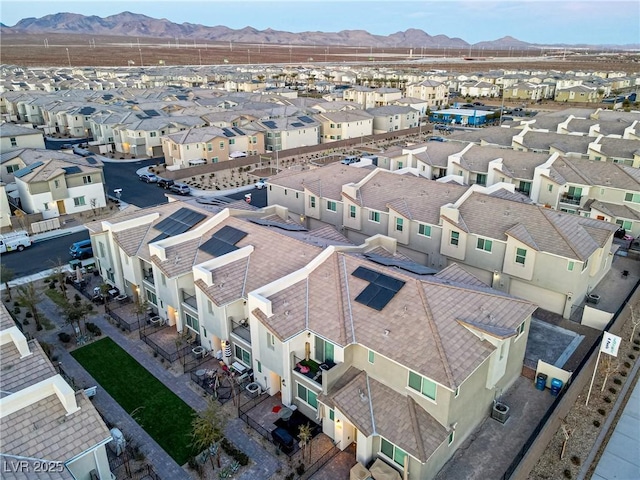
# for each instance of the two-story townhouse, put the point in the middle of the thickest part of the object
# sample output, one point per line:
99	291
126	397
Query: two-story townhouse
209	145
368	97
142	137
579	93
526	91
342	358
547	256
601	190
479	89
44	422
60	184
344	125
287	133
435	93
16	137
392	118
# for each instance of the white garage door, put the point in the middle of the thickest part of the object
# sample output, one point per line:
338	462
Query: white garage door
545	299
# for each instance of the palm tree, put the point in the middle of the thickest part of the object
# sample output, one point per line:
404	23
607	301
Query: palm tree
30	297
6	275
304	434
207	428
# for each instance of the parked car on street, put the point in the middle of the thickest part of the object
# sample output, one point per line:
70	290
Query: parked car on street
180	189
437	139
165	182
443	128
149	178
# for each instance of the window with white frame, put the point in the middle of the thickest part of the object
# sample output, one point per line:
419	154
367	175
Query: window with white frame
192	322
243	355
626	224
399	224
424	230
352	211
521	255
151	296
79	201
392	452
454	239
87	179
484	244
332	206
308	396
324	350
312	202
423	385
520	330
571	265
452	435
271	341
374	216
632	197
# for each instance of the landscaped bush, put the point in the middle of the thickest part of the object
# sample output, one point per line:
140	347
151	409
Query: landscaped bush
300	469
16	310
233	452
596	423
28	315
64	337
93	328
48	349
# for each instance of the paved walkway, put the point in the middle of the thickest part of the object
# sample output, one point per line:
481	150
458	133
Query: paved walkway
621	457
264	464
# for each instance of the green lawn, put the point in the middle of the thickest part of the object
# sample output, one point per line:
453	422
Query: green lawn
157	409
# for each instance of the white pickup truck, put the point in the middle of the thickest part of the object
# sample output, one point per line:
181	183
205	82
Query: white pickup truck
10	242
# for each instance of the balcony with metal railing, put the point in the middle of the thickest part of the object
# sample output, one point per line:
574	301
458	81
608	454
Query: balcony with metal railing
189	300
241	329
571	199
311	369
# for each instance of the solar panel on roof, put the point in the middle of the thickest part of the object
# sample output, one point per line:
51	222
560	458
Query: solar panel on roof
152	113
179	222
70	170
162	236
223	241
91	160
381	289
270	124
407	265
291	227
297	124
228	133
237	130
28	169
306	119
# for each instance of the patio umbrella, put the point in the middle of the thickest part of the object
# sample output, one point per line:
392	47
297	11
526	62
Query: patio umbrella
78	274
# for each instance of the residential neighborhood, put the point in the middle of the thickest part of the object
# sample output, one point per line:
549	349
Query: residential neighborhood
355	271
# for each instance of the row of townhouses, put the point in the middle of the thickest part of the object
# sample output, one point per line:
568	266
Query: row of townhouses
48	429
276	294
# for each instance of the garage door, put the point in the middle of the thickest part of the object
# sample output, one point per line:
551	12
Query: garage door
482	275
545	299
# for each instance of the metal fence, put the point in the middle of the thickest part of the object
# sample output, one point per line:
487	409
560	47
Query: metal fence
122	323
550	412
318	464
158	349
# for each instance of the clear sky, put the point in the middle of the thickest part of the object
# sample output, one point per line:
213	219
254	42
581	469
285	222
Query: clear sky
534	21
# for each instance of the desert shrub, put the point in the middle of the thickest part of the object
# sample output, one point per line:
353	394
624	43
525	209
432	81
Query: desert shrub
93	328
300	469
567	473
16	310
607	399
232	451
613	390
64	337
601	411
623	373
632	356
627	364
575	460
28	314
617	381
596	423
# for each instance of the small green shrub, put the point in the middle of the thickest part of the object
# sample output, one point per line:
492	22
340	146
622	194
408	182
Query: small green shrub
16	310
64	337
601	411
613	390
28	315
567	473
627	364
607	399
617	381
632	356
16	303
300	469
596	423
93	328
575	460
232	451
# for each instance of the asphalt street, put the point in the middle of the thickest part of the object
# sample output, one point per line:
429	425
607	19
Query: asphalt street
123	176
41	255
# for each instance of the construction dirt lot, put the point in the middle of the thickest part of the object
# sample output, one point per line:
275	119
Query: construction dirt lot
64	50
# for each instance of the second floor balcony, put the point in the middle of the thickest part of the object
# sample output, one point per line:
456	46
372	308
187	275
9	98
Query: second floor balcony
312	369
571	199
241	329
189	299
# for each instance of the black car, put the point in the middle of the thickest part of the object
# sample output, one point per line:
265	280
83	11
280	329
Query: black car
283	439
165	183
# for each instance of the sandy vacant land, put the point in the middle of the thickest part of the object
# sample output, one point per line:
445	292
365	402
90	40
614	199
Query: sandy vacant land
86	50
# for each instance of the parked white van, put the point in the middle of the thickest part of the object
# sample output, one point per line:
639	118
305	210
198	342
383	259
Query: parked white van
14	241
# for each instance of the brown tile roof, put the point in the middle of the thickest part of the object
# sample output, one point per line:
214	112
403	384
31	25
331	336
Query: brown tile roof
426	310
376	409
324	182
592	172
6	321
44	430
456	273
616	210
18	373
543	229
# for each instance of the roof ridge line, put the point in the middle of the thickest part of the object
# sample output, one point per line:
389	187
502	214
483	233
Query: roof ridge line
373	417
435	334
336	271
346	282
414	425
564	237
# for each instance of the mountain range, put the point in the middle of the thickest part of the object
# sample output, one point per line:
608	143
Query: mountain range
137	25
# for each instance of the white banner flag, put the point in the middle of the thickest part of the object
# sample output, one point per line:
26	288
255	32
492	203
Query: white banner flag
610	344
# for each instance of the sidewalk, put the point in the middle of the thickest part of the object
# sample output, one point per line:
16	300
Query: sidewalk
263	466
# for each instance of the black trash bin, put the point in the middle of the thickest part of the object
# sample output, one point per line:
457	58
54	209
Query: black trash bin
541	381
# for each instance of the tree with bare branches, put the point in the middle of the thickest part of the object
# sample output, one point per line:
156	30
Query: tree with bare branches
610	365
635	320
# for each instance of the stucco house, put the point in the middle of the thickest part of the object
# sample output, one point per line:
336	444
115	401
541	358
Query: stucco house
42	418
16	137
